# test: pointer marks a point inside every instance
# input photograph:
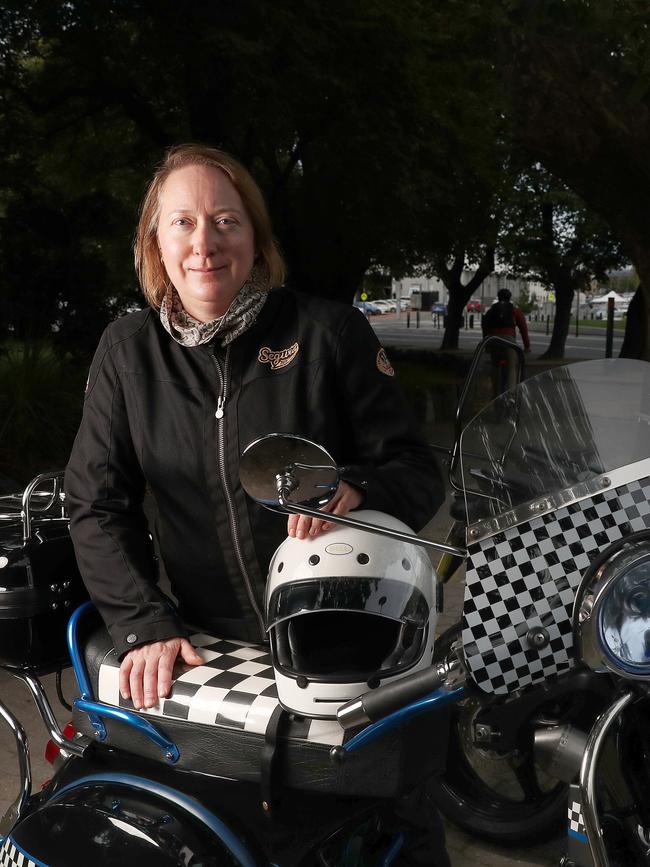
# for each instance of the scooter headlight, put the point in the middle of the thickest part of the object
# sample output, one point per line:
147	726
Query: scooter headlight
612	619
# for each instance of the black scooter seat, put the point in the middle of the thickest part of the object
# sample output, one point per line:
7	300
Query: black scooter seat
218	716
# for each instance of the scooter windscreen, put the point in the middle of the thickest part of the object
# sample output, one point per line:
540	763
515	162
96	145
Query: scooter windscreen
555	472
558	430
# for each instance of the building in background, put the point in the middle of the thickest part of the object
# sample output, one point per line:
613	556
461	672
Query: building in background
432	290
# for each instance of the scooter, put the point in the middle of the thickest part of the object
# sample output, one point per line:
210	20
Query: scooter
556	484
556	584
496	783
217	774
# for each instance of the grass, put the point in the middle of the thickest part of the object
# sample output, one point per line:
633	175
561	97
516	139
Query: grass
619	324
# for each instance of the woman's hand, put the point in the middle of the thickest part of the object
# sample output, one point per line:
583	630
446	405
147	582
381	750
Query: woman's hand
346	498
146	671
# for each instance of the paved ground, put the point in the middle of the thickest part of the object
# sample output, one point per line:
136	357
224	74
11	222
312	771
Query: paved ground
393	331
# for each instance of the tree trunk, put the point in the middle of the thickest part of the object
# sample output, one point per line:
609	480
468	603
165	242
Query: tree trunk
564	302
634	326
459	293
636	343
455	308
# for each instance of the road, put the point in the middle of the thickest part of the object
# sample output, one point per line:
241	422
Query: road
394	332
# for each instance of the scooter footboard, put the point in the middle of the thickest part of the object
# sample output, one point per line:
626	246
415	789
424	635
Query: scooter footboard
221	715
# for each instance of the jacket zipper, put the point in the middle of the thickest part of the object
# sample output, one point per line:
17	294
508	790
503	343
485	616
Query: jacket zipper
221	461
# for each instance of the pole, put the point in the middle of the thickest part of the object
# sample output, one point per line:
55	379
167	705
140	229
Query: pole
577	310
609	339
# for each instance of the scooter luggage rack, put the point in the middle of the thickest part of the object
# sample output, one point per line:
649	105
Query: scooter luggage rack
46	504
96	709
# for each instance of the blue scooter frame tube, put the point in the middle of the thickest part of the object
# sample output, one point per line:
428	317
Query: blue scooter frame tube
95	709
398	718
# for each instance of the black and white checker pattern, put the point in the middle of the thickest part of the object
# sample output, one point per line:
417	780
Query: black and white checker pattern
576	823
528	576
234	688
11	856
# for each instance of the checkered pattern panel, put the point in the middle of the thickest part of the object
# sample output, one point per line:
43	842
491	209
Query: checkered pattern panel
527	576
575	818
234	688
11	856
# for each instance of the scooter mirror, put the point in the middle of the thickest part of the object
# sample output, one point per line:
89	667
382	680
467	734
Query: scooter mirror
288	465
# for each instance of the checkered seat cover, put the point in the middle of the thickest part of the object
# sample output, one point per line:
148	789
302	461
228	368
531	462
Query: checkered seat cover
528	575
218	715
235	688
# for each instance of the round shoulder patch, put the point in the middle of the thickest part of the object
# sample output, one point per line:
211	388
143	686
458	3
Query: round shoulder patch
383	364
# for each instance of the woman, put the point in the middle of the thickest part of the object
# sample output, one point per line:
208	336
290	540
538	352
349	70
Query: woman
177	391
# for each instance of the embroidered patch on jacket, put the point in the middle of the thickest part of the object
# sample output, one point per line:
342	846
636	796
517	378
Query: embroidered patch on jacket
383	364
278	358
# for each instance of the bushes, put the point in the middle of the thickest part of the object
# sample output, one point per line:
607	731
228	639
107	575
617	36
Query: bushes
41	395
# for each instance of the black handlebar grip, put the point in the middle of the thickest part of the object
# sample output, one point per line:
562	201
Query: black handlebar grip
382	701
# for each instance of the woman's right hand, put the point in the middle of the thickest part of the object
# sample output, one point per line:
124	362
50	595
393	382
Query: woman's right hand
146	671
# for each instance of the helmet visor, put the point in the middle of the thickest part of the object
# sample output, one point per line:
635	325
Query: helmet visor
385	597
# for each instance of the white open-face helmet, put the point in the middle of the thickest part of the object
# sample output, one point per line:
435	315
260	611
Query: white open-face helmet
347	611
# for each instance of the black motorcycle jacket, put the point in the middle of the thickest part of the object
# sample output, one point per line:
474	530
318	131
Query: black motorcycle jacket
174	420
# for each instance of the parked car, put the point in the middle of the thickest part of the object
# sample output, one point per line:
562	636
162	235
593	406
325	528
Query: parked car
404	303
474	305
368	307
386	305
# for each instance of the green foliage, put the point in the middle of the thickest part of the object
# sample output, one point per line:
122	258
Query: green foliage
623	282
526	302
579	82
41	394
550	236
385	133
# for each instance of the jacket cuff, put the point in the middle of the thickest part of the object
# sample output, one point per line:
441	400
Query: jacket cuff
133	635
359	479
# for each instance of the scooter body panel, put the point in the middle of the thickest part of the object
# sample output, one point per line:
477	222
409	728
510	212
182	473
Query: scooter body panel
111	808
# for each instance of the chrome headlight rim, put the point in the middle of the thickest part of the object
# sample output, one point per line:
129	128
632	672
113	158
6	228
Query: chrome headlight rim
609	567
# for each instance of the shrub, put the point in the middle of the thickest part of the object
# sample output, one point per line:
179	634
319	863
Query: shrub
41	395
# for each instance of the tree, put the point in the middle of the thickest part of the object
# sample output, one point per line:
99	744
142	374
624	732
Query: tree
577	76
330	106
551	237
525	302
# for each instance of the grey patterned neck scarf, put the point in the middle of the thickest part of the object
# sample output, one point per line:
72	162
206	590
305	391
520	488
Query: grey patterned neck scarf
243	311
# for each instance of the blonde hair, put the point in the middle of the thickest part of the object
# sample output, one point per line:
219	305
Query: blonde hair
151	271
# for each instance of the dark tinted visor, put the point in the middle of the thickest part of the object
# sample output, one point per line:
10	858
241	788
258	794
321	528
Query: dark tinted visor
382	596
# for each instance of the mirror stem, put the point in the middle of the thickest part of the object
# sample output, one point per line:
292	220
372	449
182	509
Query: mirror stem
284	491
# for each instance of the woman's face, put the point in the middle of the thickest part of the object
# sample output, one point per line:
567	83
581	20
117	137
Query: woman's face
206	239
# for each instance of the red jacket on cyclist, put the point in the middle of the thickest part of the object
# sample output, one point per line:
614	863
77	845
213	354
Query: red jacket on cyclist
503	319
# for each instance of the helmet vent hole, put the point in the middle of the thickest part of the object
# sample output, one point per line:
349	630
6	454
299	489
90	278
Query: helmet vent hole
406	564
314	560
363	559
280	567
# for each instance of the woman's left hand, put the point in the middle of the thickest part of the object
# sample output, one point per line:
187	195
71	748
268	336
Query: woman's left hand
346	498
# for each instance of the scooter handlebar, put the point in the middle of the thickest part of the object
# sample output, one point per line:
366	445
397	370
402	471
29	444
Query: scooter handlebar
379	702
